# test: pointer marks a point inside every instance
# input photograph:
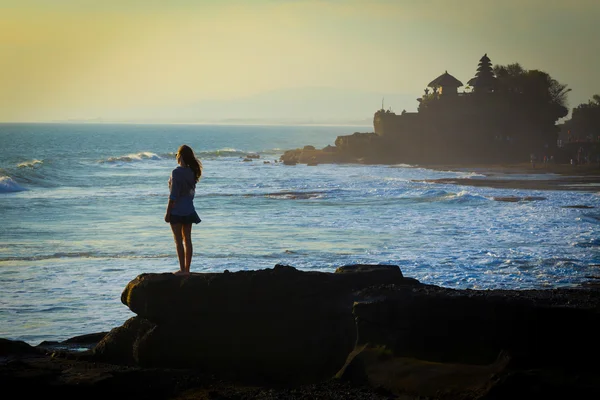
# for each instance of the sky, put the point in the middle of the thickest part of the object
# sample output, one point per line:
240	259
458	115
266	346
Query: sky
189	60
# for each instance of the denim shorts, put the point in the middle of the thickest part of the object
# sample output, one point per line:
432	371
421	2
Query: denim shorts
193	218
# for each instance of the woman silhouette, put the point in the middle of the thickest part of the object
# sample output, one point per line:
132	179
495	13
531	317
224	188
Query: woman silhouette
181	213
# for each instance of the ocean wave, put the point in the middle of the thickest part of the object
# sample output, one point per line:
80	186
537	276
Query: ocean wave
224	152
464	197
30	164
440	195
471	175
232	152
591	217
403	166
218	153
127	255
294	195
42	177
592	243
8	185
285	195
134	157
435	193
145	155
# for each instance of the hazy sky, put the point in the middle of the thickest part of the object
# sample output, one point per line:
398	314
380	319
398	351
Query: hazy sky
64	59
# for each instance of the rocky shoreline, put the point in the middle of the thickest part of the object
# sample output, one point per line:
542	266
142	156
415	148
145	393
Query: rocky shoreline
556	176
363	332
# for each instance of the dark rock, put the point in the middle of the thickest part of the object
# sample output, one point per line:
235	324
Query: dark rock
277	324
377	366
87	339
484	332
78	344
363	332
514	199
120	345
311	156
12	347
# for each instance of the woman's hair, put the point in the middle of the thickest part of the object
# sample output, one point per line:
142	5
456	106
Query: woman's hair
189	158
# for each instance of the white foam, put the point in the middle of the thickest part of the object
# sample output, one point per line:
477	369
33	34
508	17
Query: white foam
464	196
30	164
142	155
402	166
470	175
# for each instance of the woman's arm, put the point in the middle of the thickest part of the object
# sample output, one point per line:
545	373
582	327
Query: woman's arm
170	205
173	193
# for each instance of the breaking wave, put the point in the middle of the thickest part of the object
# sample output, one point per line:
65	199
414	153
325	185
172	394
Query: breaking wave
8	185
440	195
141	156
30	164
465	197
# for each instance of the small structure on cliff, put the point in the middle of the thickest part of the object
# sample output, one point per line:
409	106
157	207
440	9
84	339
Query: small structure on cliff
445	84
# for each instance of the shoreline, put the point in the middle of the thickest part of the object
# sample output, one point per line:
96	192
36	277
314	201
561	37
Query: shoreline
552	176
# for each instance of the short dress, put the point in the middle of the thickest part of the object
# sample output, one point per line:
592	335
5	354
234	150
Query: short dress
182	188
193	218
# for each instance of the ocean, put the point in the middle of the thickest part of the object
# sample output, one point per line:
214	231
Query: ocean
82	206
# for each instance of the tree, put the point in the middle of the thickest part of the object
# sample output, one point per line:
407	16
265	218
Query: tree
536	99
534	84
585	119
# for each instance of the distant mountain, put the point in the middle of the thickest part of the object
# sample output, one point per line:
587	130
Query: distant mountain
316	105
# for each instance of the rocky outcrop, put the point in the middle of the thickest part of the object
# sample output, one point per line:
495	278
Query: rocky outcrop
363	332
413	340
356	148
310	155
276	325
360	147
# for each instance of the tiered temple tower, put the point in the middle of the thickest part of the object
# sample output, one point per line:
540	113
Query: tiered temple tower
484	80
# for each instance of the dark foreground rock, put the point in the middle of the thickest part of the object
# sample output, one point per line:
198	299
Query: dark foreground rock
277	325
363	332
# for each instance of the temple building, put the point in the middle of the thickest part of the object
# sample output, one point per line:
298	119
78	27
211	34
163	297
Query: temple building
444	87
484	80
445	84
490	123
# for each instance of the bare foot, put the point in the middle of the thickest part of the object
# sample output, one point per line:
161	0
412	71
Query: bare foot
180	272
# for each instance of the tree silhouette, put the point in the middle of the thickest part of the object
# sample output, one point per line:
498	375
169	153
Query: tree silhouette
585	120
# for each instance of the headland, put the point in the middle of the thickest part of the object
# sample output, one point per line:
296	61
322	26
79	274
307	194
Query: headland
504	120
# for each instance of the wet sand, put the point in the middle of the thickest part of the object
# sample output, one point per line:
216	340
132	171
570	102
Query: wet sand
550	176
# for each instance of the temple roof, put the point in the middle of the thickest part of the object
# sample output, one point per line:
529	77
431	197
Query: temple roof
484	78
445	80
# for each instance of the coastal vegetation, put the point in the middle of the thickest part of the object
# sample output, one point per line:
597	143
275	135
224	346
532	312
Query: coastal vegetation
505	114
584	125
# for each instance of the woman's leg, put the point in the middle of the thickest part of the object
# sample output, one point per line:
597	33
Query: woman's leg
186	230
178	236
